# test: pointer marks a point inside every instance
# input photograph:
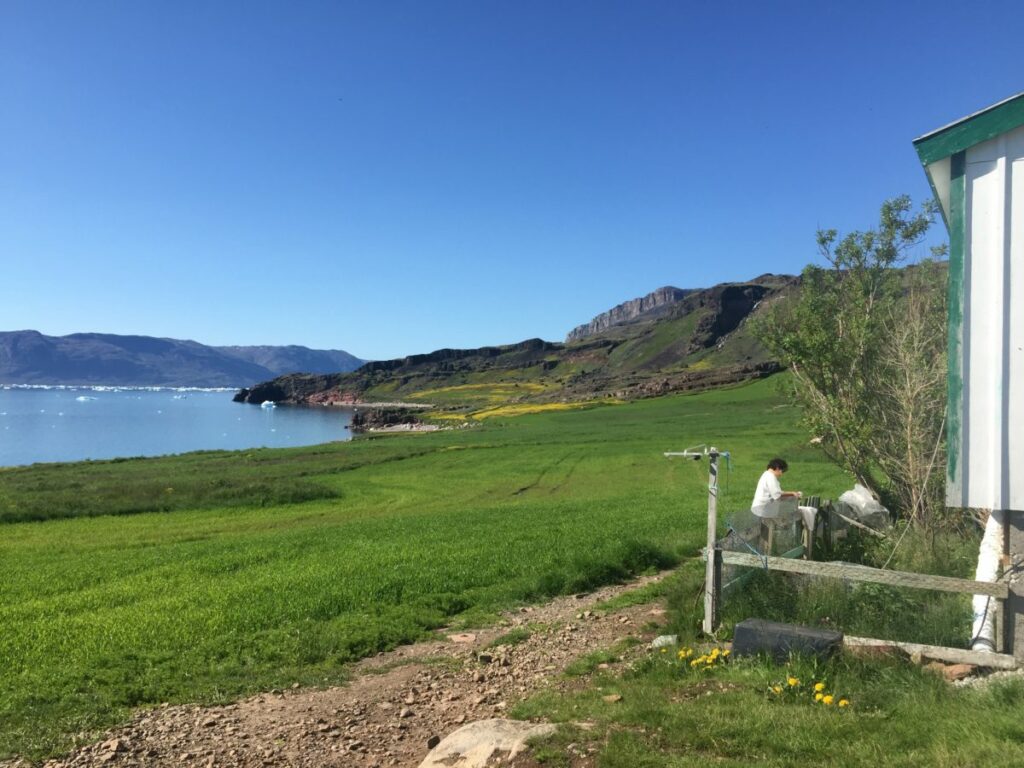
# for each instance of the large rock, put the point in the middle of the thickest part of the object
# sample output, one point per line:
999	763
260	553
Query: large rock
472	745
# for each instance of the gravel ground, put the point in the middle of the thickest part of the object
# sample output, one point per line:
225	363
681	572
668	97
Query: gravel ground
397	705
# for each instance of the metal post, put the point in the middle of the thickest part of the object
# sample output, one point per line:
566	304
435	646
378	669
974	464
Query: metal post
713	564
709	572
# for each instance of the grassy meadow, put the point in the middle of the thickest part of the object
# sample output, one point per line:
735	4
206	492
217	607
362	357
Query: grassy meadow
207	576
217	574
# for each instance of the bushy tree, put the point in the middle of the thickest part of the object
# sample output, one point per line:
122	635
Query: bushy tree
865	343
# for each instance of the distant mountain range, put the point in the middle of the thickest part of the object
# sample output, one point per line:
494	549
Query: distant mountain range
672	339
29	357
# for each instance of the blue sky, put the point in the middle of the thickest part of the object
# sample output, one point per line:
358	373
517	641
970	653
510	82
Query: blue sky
390	178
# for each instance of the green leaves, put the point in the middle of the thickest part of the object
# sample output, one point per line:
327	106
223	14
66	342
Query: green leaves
865	343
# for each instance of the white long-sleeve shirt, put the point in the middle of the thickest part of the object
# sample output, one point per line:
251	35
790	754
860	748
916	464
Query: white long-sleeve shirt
769	490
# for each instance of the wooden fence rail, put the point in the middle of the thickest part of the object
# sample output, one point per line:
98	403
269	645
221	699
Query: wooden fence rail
866	573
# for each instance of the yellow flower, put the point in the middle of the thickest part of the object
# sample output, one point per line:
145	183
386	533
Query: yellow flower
819	687
844	702
695	662
726	652
819	696
792	682
776	689
664	650
827	701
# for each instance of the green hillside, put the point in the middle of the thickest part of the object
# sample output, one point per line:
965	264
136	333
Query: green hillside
701	341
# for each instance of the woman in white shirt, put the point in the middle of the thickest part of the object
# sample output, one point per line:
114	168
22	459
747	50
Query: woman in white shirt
769	490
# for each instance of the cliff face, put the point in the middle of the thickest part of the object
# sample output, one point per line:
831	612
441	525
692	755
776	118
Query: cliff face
629	310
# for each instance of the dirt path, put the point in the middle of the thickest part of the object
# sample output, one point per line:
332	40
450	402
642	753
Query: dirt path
396	704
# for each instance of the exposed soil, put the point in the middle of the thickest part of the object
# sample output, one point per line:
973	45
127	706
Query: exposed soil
397	704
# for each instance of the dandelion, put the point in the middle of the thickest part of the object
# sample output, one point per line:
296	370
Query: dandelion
827	700
726	652
819	687
792	682
819	696
777	689
844	703
695	662
664	650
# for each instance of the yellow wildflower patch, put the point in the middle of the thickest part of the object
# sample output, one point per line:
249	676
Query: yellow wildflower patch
521	409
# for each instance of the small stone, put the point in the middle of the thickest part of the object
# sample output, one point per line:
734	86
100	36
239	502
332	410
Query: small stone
114	745
410	699
954	672
433	741
406	712
612	698
462	637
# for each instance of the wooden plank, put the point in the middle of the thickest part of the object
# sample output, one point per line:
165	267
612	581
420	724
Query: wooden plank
1013	629
938	652
873	575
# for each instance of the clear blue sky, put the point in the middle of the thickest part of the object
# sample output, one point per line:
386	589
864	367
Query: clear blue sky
390	178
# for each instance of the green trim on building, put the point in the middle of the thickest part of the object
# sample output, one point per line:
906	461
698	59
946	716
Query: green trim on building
957	250
979	127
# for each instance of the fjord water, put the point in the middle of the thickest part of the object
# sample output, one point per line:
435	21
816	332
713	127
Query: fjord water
43	425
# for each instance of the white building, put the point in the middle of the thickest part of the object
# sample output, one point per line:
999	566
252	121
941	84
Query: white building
976	169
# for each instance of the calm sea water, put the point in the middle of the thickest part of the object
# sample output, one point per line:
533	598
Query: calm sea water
75	424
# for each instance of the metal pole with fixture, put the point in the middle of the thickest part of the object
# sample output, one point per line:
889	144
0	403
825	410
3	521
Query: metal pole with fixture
712	556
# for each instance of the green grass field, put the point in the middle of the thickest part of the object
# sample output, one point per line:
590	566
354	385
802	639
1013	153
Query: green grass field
203	577
204	583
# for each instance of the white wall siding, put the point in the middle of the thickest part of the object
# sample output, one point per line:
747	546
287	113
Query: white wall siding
992	415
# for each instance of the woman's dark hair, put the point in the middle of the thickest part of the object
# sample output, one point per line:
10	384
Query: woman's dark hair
778	464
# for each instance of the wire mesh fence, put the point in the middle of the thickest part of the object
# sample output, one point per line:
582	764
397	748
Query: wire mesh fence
845	604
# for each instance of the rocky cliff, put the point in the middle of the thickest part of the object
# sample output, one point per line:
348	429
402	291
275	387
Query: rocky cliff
647	306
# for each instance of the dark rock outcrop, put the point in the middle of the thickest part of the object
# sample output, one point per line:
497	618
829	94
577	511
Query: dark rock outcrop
381	418
730	305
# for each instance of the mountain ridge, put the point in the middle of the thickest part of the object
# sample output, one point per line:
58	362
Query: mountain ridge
31	357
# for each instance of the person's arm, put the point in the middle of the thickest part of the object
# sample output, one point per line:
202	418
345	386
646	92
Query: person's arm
777	492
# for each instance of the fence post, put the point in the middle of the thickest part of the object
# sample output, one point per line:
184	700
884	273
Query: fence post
710	586
1013	611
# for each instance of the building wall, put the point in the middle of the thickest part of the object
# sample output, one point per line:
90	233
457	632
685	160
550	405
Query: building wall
989	470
